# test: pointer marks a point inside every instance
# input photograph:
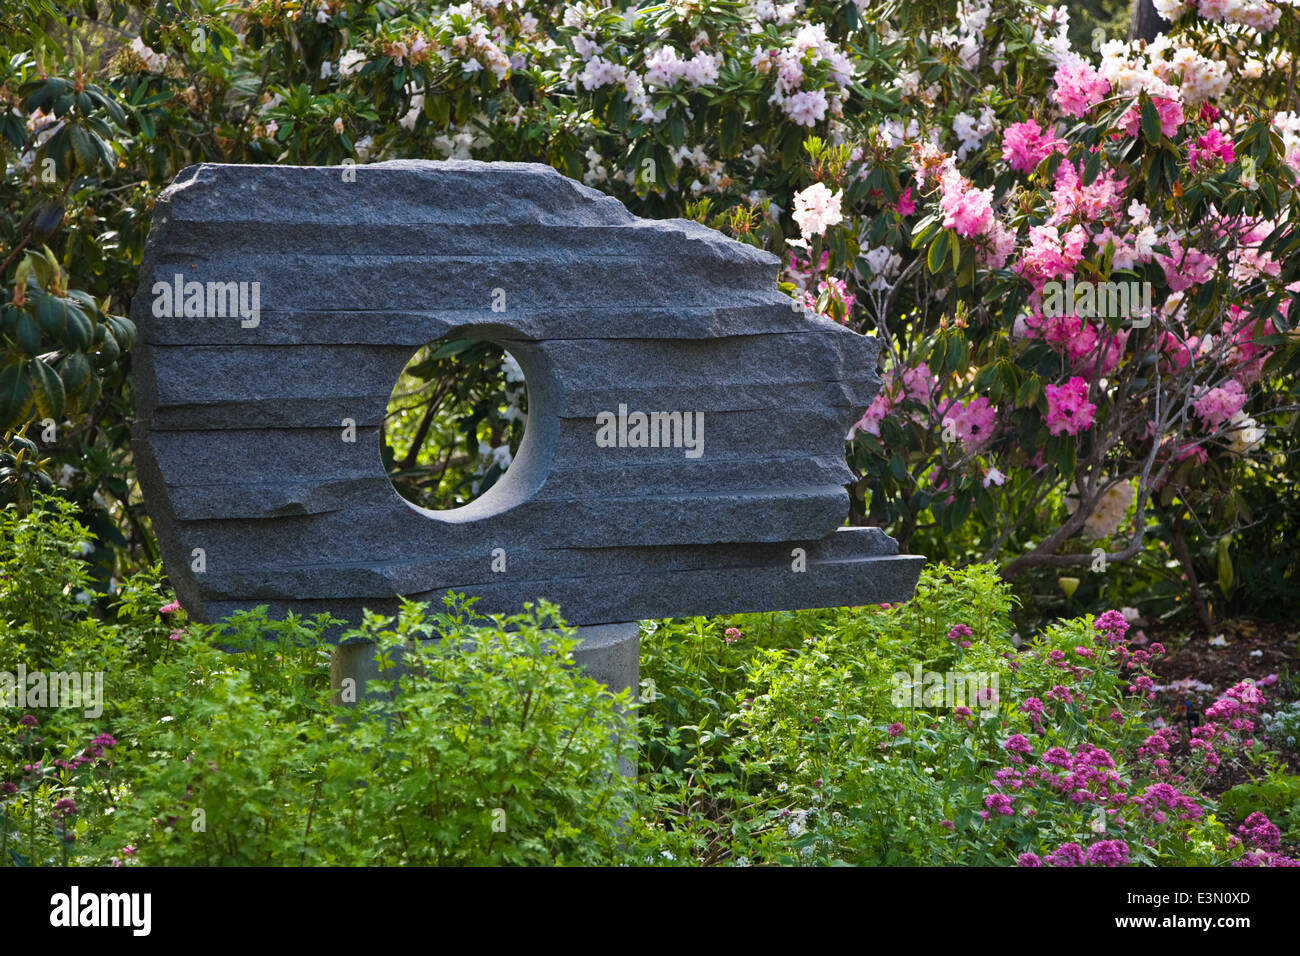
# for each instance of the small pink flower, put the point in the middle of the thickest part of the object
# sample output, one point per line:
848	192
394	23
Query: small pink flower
175	635
905	205
170	608
895	729
731	635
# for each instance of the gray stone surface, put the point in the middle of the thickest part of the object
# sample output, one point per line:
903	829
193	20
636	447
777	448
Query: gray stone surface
239	437
608	653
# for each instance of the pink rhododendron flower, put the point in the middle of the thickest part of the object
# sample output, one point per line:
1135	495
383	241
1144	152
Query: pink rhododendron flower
1068	410
973	421
806	108
1185	268
966	210
1079	87
1051	255
1071	198
1217	405
1208	146
905	205
1025	145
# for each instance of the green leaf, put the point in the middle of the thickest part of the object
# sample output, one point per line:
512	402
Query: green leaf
84	146
47	390
80	333
1151	122
51	316
938	250
1029	392
1225	566
75	372
15	395
454	347
27	334
1091	167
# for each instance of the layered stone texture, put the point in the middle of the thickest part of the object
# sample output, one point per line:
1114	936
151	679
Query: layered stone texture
240	446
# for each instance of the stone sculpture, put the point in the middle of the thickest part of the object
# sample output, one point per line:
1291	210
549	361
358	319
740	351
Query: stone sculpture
277	306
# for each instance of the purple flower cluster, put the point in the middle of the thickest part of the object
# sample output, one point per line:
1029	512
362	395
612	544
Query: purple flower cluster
1018	744
1161	797
1112	626
90	754
1101	853
999	803
1067	854
1260	833
1108	853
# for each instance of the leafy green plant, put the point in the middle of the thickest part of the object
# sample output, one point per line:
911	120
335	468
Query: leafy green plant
1277	796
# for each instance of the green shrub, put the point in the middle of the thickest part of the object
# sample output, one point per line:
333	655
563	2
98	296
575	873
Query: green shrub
1277	797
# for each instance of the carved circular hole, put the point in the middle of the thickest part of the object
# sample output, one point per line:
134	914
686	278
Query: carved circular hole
454	424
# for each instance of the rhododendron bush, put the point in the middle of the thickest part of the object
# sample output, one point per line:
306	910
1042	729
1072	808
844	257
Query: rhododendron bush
1030	166
932	173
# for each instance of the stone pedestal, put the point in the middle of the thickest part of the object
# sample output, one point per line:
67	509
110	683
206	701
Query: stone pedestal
609	653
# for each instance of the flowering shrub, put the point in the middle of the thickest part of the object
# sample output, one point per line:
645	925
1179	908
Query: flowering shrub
763	738
927	172
813	757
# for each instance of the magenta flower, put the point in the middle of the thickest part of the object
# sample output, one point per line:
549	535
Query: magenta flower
1112	625
731	635
1108	853
1028	859
999	802
905	205
973	422
169	608
1017	743
895	729
1210	146
1259	832
27	720
1068	410
64	808
1067	854
968	211
1025	145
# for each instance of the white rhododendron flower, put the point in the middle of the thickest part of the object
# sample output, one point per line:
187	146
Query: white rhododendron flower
816	208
